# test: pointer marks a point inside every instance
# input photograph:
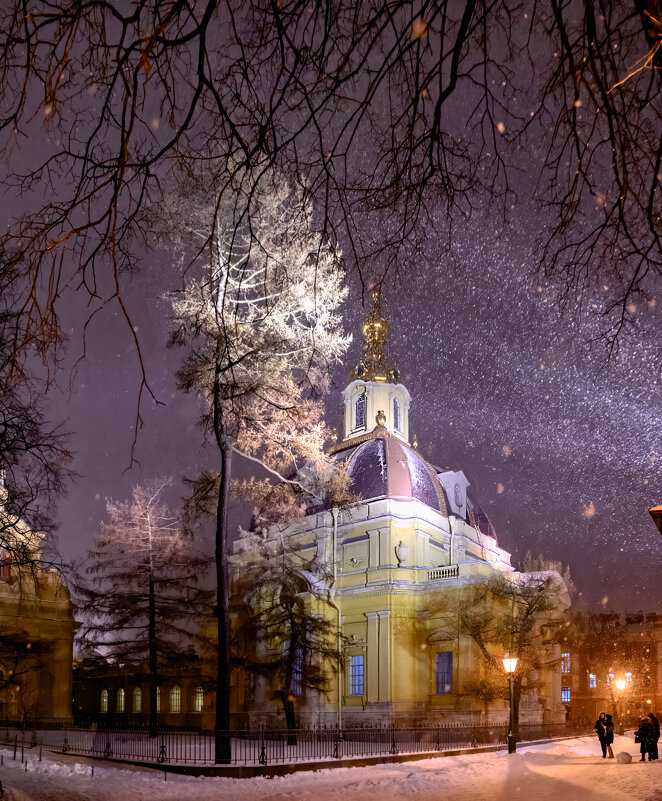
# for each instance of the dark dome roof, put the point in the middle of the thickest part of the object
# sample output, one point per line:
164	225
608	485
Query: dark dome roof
385	467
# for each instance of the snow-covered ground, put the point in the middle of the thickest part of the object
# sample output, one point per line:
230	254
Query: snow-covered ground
569	770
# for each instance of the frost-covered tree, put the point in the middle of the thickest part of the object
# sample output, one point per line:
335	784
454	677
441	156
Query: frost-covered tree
262	324
285	631
144	603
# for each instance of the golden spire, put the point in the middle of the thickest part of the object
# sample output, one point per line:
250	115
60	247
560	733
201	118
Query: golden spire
374	366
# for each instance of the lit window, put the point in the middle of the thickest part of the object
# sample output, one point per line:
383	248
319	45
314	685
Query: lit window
565	662
198	699
628	678
120	700
565	694
444	672
103	702
592	681
137	700
356	674
359	412
175	699
297	672
396	414
610	676
158	699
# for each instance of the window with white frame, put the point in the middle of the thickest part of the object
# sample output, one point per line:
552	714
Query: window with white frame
565	662
396	414
103	701
175	700
198	699
628	678
565	694
444	672
592	681
137	705
360	411
356	674
119	705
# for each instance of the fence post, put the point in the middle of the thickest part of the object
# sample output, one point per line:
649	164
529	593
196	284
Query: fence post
15	745
336	746
162	751
41	745
394	745
262	759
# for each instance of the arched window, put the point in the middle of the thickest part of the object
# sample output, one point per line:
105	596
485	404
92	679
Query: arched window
120	700
396	414
198	699
158	699
359	411
103	701
175	699
137	700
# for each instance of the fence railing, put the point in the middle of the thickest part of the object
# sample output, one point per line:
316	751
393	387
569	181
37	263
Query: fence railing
268	746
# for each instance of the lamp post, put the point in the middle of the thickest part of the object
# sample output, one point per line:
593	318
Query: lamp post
509	665
620	686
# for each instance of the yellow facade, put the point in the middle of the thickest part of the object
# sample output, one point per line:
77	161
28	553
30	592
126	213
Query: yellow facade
37	628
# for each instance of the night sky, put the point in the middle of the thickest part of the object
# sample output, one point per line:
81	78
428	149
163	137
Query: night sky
561	444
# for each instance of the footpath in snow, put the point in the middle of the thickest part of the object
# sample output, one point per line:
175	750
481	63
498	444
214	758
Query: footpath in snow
568	770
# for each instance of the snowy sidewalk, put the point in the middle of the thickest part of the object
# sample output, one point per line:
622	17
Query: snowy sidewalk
571	770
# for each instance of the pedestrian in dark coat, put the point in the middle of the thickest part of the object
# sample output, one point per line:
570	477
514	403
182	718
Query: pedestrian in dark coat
645	736
609	734
656	729
601	730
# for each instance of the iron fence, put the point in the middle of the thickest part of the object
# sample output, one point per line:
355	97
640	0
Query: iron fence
269	746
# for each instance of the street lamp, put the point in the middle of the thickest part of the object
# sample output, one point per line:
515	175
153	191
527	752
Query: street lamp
509	665
656	513
620	686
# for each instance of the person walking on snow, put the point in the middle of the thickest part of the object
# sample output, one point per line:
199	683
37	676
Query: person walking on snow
656	728
609	734
645	736
601	729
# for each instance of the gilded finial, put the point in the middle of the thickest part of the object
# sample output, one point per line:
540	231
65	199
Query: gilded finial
380	417
374	366
334	436
414	443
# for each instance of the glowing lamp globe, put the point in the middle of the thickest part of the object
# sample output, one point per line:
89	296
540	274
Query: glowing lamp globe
509	663
620	685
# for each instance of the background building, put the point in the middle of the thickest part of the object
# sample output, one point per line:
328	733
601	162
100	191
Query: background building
37	629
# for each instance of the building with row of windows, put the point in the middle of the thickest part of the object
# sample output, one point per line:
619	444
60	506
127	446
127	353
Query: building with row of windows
104	690
613	662
400	561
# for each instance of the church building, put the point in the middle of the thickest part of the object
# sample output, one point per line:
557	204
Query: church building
402	564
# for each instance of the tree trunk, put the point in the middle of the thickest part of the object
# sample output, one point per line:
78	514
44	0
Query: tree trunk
222	749
290	717
153	669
